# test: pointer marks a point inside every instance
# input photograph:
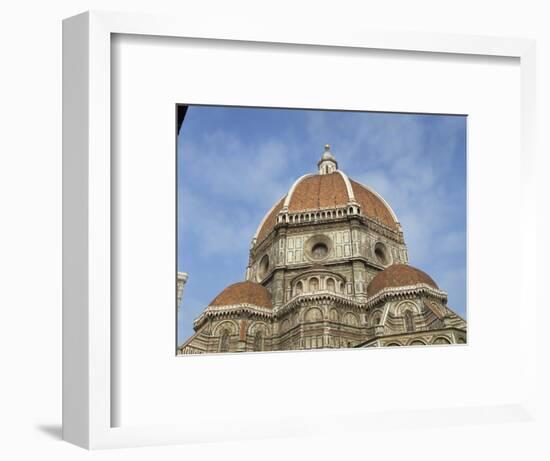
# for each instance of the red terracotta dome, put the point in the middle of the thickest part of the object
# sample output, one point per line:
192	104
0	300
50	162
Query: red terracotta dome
399	275
243	293
321	191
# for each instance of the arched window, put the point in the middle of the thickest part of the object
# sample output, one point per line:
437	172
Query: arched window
330	285
224	341
314	315
313	284
319	251
285	325
442	340
409	321
350	319
258	341
264	267
294	319
381	253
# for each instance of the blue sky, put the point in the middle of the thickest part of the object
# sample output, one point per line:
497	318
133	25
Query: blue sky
234	163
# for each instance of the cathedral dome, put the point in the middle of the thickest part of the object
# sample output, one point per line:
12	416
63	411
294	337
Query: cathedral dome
243	293
399	275
330	188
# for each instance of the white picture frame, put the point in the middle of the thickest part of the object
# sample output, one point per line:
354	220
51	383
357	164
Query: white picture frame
88	363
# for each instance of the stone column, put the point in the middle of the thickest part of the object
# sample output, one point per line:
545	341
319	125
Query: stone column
243	326
182	278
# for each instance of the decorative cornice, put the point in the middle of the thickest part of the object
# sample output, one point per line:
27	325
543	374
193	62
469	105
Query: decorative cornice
404	292
417	333
324	270
317	296
385	295
239	309
367	221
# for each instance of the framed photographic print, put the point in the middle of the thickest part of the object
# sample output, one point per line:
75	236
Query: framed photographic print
252	217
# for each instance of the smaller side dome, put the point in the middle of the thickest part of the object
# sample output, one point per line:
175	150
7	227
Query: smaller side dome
247	292
399	275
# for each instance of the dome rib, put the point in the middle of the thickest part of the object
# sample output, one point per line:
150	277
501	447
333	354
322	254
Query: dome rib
293	188
374	206
351	195
269	221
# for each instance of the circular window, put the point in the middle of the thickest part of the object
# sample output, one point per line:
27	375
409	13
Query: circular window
264	267
318	247
319	251
381	253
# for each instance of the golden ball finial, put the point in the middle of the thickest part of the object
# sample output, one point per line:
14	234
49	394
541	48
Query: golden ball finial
327	147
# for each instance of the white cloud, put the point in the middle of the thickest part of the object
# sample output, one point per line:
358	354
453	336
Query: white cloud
215	230
454	282
453	241
230	167
235	183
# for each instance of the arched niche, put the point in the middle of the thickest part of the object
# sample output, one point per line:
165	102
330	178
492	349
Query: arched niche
404	306
313	284
350	318
441	340
376	318
298	288
314	314
223	344
228	325
285	326
261	327
408	319
331	284
258	344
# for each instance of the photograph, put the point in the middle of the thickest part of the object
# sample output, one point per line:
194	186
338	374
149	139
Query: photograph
301	229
